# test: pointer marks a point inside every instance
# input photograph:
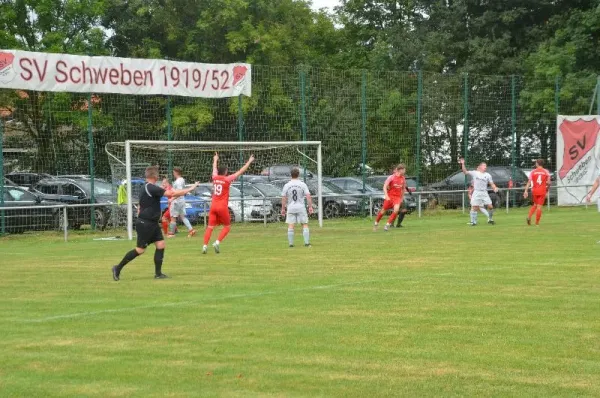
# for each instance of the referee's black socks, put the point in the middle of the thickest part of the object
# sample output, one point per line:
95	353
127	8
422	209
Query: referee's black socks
128	257
159	254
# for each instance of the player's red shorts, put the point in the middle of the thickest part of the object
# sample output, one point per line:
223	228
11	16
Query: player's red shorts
219	216
538	199
389	204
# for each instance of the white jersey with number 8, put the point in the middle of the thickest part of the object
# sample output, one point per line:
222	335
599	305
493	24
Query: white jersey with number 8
295	191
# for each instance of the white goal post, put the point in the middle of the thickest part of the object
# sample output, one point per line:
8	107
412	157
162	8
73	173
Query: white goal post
292	152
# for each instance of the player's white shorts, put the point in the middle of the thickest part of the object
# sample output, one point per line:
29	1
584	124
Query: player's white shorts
297	218
480	198
177	209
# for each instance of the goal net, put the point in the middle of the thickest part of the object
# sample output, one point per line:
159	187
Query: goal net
273	162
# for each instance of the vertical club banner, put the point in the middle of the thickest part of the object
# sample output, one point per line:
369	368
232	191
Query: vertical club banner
25	70
577	157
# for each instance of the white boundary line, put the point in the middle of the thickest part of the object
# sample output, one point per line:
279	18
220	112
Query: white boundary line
244	295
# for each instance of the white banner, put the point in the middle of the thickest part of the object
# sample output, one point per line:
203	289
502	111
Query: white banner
577	157
25	70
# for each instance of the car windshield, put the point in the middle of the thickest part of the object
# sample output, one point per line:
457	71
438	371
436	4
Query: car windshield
249	191
328	188
377	182
268	190
100	188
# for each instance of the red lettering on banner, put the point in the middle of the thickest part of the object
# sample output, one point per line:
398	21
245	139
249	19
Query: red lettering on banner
41	74
123	72
148	76
75	69
113	75
85	71
59	71
138	78
100	75
23	62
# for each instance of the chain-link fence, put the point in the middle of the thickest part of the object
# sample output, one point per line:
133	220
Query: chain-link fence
368	121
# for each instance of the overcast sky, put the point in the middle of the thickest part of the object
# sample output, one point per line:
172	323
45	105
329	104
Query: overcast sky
325	3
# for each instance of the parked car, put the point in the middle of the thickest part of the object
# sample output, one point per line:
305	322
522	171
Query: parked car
195	207
79	192
254	209
501	176
283	171
9	183
263	191
336	202
355	186
27	179
80	177
34	219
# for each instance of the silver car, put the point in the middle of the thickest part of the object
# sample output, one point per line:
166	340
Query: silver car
254	209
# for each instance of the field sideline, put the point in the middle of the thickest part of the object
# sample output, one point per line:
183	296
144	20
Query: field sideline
437	308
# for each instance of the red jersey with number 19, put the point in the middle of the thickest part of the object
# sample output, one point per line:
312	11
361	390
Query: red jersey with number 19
220	196
539	181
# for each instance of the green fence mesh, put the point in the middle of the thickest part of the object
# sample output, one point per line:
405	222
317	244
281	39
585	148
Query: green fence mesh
367	120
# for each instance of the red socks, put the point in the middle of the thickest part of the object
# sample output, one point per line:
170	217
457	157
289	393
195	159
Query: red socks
531	211
224	232
207	235
392	218
538	215
379	217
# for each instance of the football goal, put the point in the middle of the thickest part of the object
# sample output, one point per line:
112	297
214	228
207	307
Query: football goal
274	160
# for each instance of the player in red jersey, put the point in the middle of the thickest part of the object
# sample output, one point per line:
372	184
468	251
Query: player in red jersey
219	207
539	181
393	190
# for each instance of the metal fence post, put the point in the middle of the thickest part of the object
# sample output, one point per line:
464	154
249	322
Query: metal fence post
91	161
419	204
169	136
264	209
598	95
241	140
419	108
465	131
514	134
553	137
65	223
363	111
2	215
303	114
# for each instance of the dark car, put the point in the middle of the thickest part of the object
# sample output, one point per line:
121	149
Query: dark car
265	191
283	171
74	192
336	202
34	219
355	186
27	179
501	176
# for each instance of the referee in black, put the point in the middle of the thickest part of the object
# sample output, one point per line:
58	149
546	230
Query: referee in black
147	227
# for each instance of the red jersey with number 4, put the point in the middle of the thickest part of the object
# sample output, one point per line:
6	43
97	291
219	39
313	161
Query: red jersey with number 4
396	186
220	196
539	181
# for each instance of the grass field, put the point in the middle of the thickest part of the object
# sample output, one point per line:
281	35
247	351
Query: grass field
435	309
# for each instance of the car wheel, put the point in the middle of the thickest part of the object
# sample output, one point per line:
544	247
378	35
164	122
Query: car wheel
377	206
332	210
100	219
276	217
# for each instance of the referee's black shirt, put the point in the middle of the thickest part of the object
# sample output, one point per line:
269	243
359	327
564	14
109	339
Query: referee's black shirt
150	202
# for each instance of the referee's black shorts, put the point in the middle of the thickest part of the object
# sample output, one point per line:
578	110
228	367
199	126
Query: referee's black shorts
148	232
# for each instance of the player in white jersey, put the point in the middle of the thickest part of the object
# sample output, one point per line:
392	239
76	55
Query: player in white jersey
177	207
480	198
292	202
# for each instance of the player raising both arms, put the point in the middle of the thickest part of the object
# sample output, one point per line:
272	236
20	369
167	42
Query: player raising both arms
393	190
539	181
219	207
480	198
292	201
146	226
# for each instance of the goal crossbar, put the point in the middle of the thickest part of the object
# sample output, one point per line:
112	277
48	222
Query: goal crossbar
128	165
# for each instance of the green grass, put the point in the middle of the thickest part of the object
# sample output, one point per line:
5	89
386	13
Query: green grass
436	309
